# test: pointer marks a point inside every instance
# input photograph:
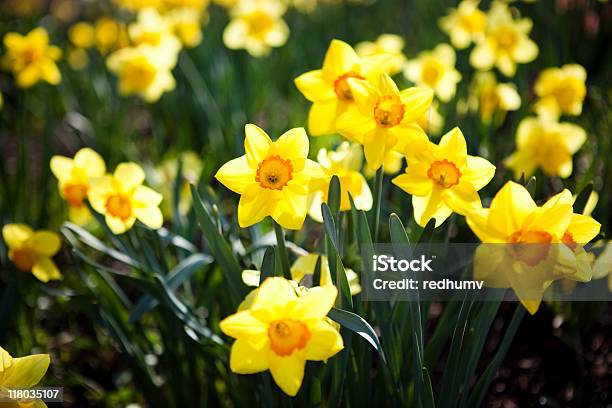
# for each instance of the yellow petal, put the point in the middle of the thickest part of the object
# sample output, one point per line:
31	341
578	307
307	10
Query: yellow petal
256	144
79	215
314	88
61	167
273	298
339	59
252	208
45	270
573	135
293	144
98	192
288	372
26	372
482	56
129	175
316	303
374	153
462	198
291	210
322	117
478	221
16	234
117	225
146	197
479	171
245	359
583	228
243	325
150	216
526	51
452	147
91	161
430	206
250	277
46	243
510	207
354	125
304	265
386	85
5	361
325	341
236	174
554	216
415	181
416	101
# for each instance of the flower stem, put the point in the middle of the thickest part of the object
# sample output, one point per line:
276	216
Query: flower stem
377	202
282	248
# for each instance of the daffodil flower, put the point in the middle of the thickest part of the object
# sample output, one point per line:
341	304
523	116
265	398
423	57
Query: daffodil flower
21	373
546	145
436	70
31	59
443	178
328	88
122	199
534	249
280	330
155	30
73	177
32	251
506	42
345	163
384	117
272	178
560	91
386	44
464	24
488	97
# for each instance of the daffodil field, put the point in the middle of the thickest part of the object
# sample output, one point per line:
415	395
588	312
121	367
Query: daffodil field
197	196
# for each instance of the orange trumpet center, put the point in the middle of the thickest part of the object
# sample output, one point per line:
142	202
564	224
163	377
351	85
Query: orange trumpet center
529	246
389	111
444	173
287	335
274	173
119	206
342	87
75	194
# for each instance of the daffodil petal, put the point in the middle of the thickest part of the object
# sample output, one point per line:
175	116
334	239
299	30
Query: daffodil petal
583	228
430	206
288	372
256	144
236	174
15	234
314	88
293	144
316	303
479	171
244	325
415	180
325	341
254	208
26	372
322	117
245	359
45	270
90	161
129	175
46	243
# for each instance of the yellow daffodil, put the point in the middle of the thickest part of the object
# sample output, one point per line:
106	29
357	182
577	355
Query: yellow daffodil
122	199
506	43
546	145
344	162
384	116
256	26
74	176
31	251
186	24
305	265
443	178
432	121
488	97
272	178
533	249
82	35
328	88
144	71
280	331
31	58
155	30
110	35
560	91
22	373
386	44
391	165
465	24
436	70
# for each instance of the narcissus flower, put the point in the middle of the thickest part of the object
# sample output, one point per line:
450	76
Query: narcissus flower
489	97
144	71
81	35
31	251
506	43
344	162
436	70
464	24
546	145
533	238
384	116
122	199
561	91
443	178
386	44
110	35
279	331
186	24
74	176
305	265
328	88
31	58
256	26
22	373
272	178
155	30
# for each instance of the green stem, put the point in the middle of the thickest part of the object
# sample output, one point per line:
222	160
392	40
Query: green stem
282	248
377	202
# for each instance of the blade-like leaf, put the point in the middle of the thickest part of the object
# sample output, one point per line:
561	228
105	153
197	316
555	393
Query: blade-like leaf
358	325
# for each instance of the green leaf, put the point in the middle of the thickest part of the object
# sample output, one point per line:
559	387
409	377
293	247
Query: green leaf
428	231
330	225
358	325
333	197
267	265
531	186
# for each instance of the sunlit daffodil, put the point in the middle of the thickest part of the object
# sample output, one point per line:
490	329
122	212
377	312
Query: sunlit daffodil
22	373
155	30
73	177
386	44
328	88
545	145
144	71
272	178
533	247
31	251
435	69
82	35
384	116
506	43
110	35
31	58
304	268
345	163
465	24
560	91
280	331
122	199
256	26
443	178
186	24
489	97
